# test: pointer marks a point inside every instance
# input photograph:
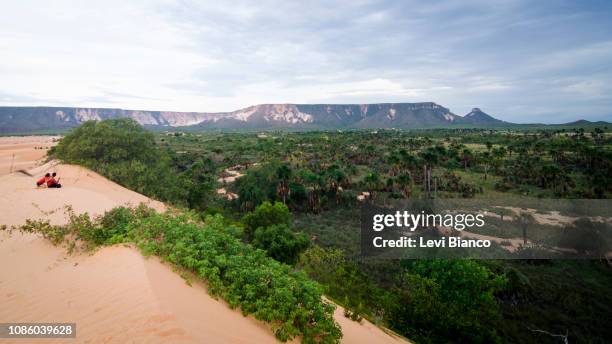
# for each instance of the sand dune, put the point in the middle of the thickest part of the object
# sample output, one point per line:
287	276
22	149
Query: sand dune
83	189
117	296
114	295
23	152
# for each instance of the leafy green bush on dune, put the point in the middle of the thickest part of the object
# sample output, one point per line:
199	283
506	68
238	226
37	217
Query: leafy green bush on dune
107	143
123	151
242	275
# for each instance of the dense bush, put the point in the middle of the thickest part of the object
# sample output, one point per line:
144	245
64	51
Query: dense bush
442	299
123	151
268	227
244	276
257	186
587	237
113	226
265	215
280	242
344	282
108	142
429	301
198	182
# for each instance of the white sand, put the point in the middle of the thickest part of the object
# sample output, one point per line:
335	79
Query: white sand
114	295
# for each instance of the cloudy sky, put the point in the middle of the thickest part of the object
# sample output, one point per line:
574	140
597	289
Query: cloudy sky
522	61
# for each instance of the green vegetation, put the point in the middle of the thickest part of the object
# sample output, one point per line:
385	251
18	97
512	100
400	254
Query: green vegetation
245	277
562	297
121	150
319	176
125	153
265	215
442	299
280	242
319	171
298	202
267	227
429	301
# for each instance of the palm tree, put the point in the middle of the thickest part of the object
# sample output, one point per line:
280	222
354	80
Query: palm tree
249	195
394	162
405	182
409	162
466	156
549	174
335	178
312	183
525	219
498	156
429	158
390	184
486	160
372	182
283	173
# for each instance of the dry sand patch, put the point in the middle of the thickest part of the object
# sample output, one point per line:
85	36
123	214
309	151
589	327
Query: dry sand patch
23	152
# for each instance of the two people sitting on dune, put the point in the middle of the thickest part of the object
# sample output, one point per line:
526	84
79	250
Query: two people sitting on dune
49	179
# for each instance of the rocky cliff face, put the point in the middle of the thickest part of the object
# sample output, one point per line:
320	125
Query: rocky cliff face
330	116
264	116
23	119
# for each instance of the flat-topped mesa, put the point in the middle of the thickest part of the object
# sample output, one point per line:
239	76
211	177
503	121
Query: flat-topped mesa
425	105
262	116
71	116
283	113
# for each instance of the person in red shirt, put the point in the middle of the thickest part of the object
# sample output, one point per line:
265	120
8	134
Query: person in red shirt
43	180
52	183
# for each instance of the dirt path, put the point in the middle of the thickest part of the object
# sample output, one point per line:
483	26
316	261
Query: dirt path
229	176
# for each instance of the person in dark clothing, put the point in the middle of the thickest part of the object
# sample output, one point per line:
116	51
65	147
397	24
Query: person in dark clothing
52	183
43	180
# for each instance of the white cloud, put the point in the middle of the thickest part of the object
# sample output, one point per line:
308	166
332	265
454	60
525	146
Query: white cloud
505	57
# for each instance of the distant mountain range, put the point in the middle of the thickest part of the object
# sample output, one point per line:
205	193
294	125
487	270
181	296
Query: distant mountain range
264	116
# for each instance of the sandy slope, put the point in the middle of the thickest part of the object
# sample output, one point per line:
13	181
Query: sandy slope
84	190
23	152
114	295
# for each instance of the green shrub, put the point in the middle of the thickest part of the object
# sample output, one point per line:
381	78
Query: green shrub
123	151
114	224
442	299
344	281
257	186
53	233
265	215
242	275
280	242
